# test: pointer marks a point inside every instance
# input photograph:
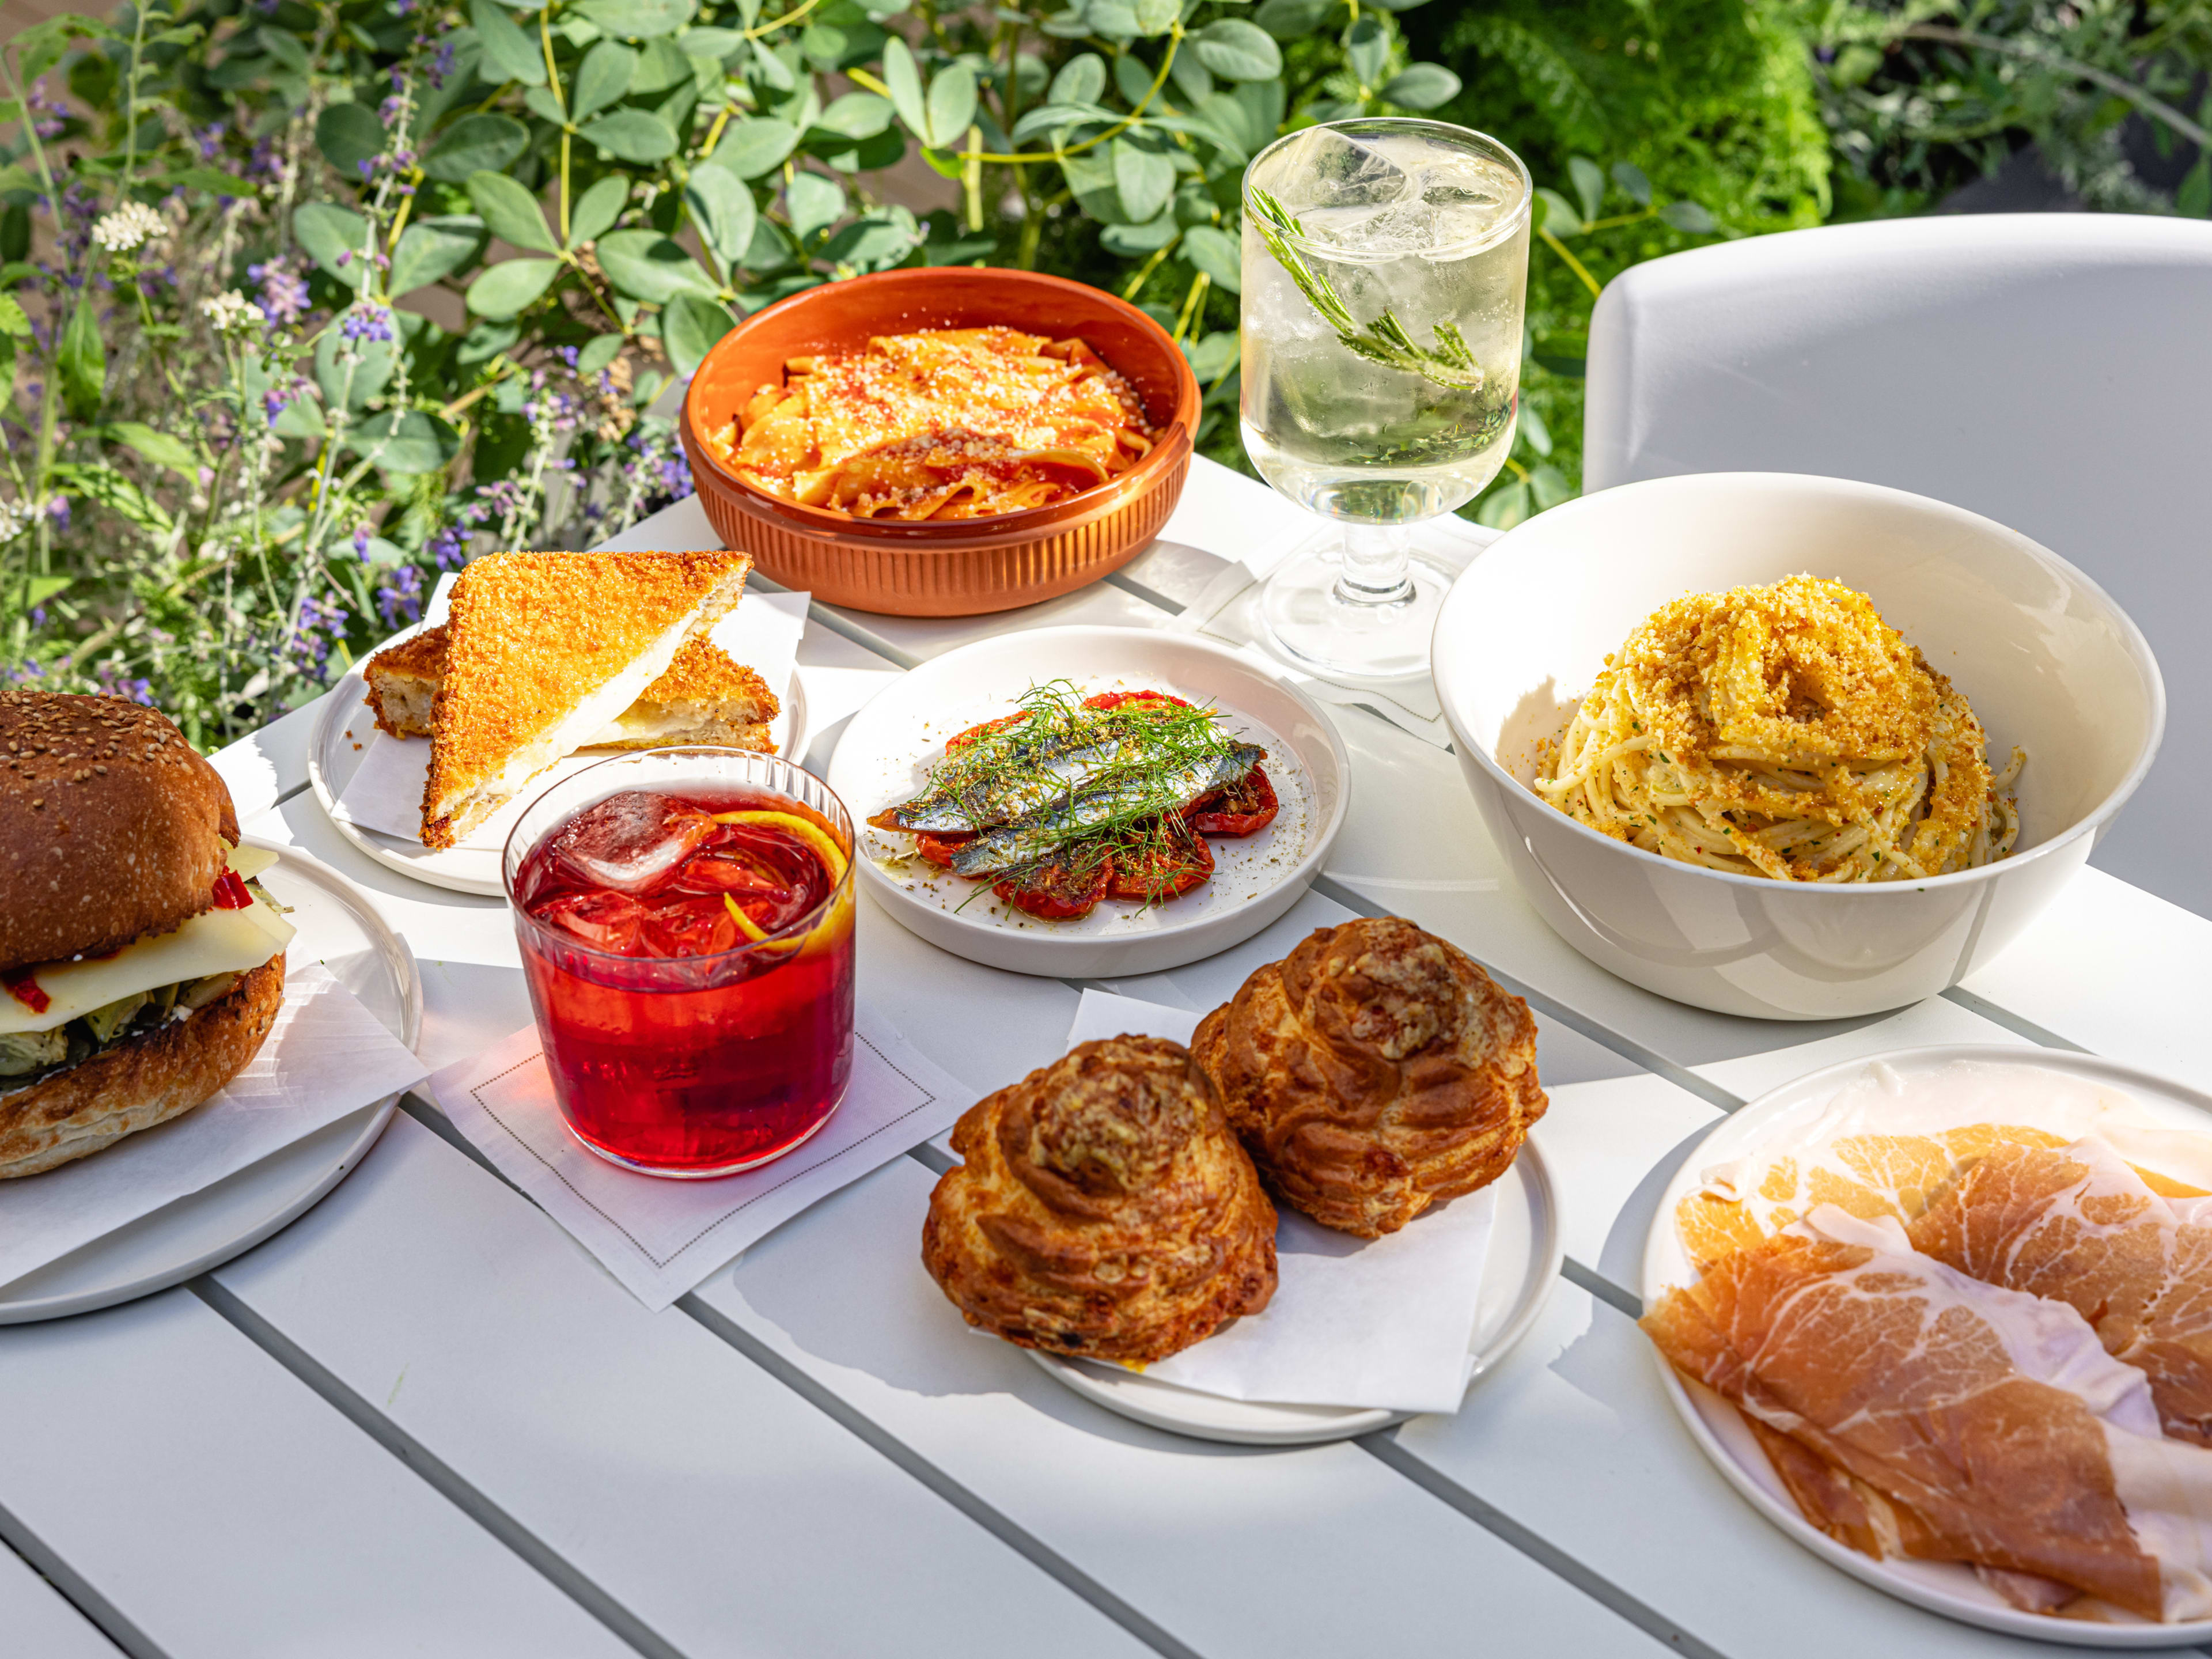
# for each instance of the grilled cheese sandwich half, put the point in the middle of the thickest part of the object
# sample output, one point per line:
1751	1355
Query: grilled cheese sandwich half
543	650
704	697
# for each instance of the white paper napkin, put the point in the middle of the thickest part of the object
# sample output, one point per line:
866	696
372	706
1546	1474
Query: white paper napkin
1383	1322
325	1056
385	791
661	1237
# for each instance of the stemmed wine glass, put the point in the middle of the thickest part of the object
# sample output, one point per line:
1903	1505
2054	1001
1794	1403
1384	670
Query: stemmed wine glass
1385	268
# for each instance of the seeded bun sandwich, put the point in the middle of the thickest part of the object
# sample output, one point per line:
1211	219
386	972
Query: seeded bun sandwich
141	966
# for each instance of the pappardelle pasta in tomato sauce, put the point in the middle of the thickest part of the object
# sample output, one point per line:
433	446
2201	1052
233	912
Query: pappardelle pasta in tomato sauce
940	423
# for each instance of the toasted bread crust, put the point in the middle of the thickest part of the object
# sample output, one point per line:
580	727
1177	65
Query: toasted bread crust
138	1084
731	695
705	673
110	826
532	634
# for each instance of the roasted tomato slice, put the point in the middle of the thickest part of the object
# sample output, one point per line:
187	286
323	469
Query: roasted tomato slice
938	848
1157	864
961	740
1244	806
1059	892
1115	699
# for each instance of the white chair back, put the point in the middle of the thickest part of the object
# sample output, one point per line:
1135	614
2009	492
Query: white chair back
2051	371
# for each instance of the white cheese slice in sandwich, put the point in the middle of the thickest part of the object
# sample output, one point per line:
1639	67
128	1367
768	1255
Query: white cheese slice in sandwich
213	942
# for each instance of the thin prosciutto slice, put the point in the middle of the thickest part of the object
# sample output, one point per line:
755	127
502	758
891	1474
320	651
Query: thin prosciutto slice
1911	1410
2080	1226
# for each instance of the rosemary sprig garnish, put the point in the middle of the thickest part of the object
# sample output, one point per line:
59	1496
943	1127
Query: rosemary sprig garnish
1385	340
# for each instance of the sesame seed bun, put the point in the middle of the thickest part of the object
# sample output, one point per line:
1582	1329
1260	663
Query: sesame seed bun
110	826
143	1081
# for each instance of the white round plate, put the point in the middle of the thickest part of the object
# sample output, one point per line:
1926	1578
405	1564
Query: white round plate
889	746
342	735
340	929
1525	1253
1719	1429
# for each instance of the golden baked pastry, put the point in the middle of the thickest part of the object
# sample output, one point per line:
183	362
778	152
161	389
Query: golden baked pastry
1374	1071
1104	1209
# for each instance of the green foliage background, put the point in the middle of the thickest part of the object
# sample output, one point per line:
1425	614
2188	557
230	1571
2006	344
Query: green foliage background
238	449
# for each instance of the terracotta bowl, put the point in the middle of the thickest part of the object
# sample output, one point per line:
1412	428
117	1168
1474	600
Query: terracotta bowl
955	567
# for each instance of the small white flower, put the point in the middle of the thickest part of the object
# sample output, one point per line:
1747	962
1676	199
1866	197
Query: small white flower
129	226
231	313
15	517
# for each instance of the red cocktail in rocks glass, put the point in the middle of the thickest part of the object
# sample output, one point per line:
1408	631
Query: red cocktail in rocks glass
686	923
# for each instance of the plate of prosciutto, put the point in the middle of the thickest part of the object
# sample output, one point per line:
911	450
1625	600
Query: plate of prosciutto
1944	1315
1090	801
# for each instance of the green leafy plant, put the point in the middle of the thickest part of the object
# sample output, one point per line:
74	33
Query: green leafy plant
303	302
1922	97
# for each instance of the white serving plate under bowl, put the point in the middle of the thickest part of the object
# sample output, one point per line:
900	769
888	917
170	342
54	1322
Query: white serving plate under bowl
1719	1429
1523	1264
889	746
2049	662
346	727
339	928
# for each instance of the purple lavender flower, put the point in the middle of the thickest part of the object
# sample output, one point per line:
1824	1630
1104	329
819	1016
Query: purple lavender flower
388	110
367	321
209	139
442	64
283	291
28	671
37	616
57	509
39	104
361	541
402	595
113	684
320	623
448	547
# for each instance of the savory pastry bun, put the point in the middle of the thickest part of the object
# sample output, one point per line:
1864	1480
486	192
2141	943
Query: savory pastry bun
1104	1209
1374	1071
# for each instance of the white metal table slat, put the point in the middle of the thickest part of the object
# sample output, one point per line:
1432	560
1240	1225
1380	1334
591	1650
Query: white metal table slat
1259	1552
724	1512
39	1618
178	1474
265	766
2118	970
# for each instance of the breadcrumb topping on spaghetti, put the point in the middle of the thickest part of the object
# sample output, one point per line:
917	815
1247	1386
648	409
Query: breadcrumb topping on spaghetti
1783	730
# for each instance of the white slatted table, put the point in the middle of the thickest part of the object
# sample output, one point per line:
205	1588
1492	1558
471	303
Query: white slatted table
422	1421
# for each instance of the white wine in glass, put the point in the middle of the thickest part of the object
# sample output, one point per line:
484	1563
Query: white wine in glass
1385	268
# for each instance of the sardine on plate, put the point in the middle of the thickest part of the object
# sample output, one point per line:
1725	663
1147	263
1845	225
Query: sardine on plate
1054	753
1034	777
1026	839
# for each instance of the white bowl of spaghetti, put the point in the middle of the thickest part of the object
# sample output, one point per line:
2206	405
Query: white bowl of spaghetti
1835	843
